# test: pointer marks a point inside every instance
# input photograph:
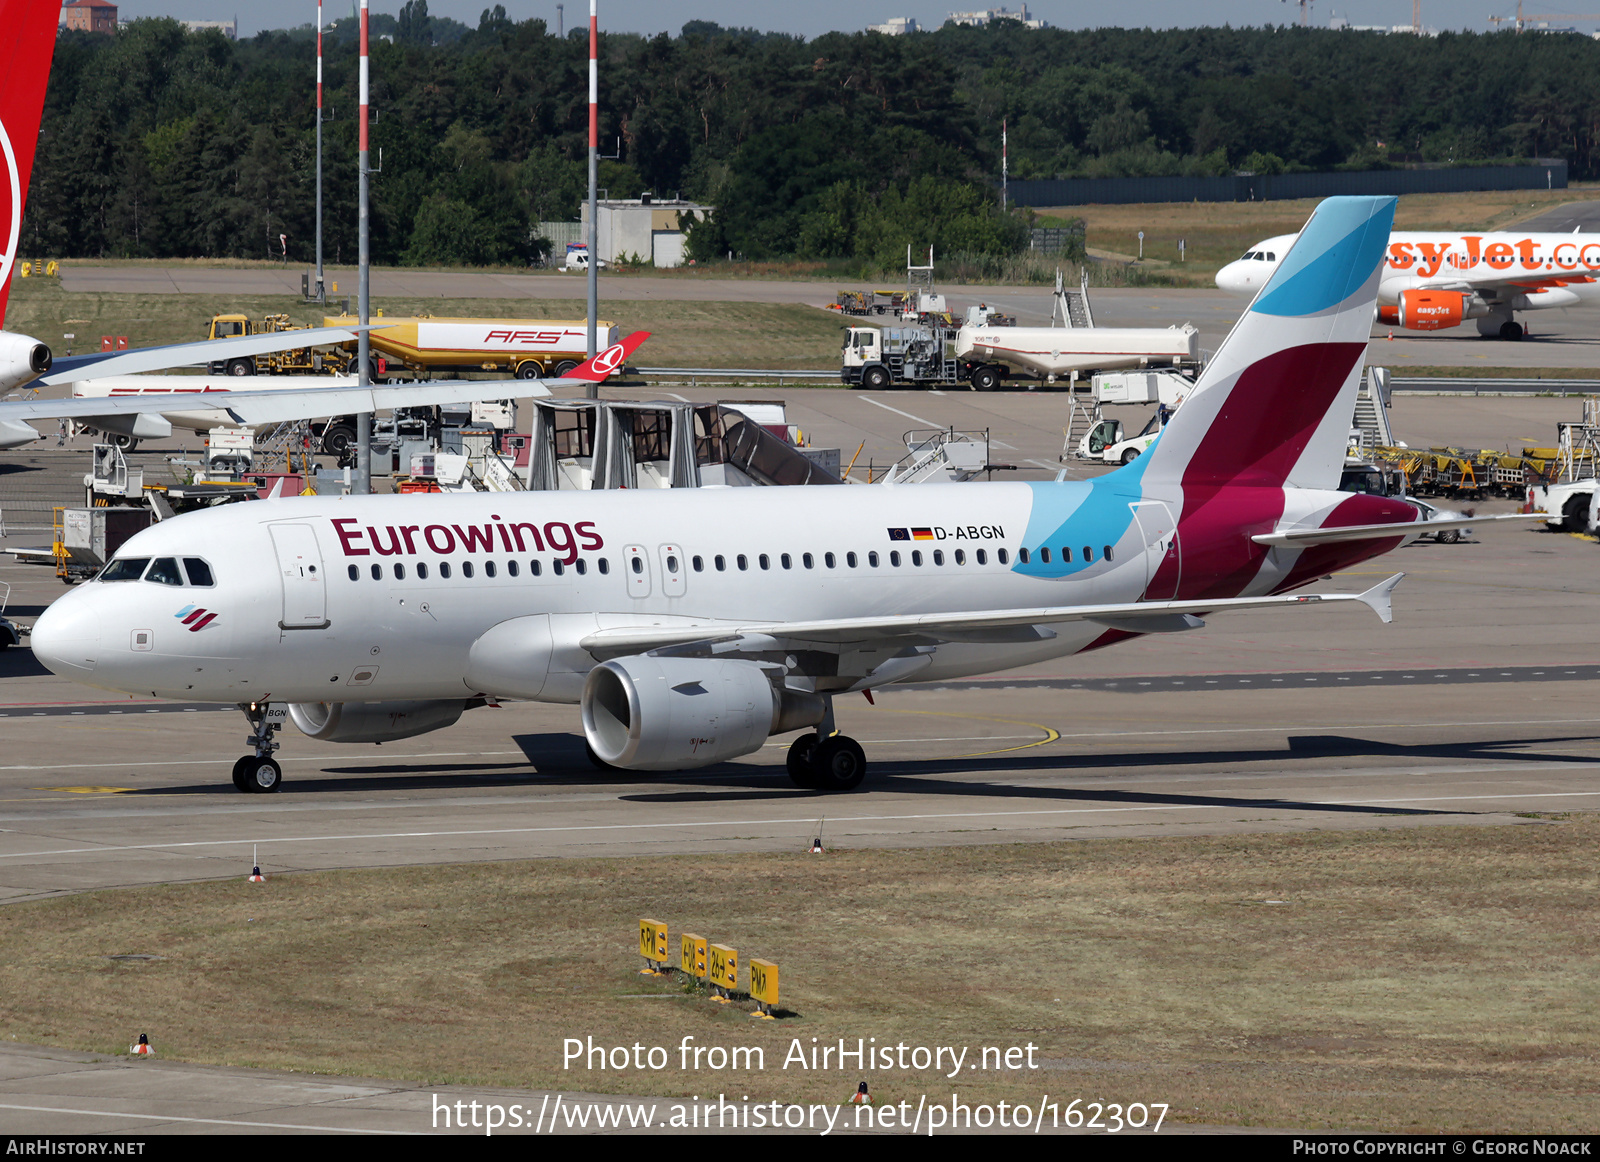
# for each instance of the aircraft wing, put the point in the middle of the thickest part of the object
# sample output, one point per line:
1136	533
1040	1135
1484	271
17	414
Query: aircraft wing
254	408
101	363
1530	280
1135	616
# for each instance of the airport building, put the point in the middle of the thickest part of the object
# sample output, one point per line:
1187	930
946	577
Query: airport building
645	228
89	16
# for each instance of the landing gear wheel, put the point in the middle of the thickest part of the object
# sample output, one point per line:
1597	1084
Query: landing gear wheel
985	379
337	439
1449	537
876	378
239	772
801	771
118	440
838	764
1130	455
262	776
1511	331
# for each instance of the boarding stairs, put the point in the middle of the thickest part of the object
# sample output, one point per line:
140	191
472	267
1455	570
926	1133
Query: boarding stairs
1071	307
1369	428
941	456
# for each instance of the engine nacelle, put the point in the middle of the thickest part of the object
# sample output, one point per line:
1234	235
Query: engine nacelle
21	359
1435	310
372	721
672	714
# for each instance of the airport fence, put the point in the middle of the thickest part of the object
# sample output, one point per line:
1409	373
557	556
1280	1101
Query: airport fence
1544	174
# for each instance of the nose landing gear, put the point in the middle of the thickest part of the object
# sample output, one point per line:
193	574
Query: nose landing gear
258	773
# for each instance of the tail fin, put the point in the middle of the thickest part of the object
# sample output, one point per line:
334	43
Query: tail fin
599	369
32	27
1275	403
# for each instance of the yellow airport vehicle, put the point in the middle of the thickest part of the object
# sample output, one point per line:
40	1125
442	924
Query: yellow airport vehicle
300	361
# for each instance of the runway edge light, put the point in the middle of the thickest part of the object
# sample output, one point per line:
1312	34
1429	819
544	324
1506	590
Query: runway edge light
692	956
724	971
653	947
764	988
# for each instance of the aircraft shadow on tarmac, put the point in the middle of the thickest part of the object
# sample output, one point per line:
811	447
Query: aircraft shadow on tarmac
19	662
560	760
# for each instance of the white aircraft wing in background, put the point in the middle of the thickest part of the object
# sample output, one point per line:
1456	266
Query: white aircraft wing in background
103	363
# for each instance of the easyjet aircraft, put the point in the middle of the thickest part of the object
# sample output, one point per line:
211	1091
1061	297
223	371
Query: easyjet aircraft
1432	281
689	625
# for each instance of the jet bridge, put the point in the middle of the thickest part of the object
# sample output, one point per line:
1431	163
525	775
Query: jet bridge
605	444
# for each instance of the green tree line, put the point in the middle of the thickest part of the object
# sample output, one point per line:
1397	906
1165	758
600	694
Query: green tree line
163	143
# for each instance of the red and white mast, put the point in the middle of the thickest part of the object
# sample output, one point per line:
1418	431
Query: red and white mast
361	481
593	390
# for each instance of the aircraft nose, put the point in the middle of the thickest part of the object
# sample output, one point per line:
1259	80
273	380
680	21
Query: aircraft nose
66	638
1232	278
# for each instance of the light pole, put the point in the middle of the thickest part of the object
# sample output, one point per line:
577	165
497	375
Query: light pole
362	483
592	391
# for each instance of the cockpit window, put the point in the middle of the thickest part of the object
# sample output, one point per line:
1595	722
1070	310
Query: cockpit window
125	569
199	572
1249	255
1270	257
164	571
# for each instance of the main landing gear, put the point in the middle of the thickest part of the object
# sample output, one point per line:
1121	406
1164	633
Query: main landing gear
258	773
826	760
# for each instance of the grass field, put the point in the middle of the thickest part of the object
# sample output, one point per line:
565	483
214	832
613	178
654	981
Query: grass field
684	334
1216	233
1414	980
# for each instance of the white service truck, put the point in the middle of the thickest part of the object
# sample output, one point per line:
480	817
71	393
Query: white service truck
1106	440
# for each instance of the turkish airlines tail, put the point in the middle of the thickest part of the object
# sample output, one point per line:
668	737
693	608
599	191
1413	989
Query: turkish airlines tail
1274	406
31	25
599	369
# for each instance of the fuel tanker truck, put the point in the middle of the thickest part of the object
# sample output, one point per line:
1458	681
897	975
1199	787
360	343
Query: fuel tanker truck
427	346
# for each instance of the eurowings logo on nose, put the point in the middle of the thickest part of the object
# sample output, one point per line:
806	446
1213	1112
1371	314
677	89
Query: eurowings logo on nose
194	617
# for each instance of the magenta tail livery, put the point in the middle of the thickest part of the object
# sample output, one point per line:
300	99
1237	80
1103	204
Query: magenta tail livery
690	625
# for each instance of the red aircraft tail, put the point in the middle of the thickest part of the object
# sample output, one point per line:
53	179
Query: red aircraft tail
32	27
599	369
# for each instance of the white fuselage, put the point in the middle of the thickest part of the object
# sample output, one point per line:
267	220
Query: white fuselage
1559	269
323	599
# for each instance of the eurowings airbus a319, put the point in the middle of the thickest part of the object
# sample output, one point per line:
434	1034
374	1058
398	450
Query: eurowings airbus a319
1434	281
691	625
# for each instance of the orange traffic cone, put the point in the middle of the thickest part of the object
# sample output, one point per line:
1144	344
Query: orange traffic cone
861	1095
142	1047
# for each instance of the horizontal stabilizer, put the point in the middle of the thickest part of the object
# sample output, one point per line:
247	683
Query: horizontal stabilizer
1304	538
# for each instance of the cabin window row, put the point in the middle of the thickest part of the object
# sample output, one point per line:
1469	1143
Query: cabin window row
422	571
741	562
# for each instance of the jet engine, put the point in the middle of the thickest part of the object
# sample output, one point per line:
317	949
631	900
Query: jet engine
372	721
21	359
671	714
1434	310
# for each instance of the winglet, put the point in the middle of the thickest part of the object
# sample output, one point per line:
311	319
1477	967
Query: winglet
599	369
1377	598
